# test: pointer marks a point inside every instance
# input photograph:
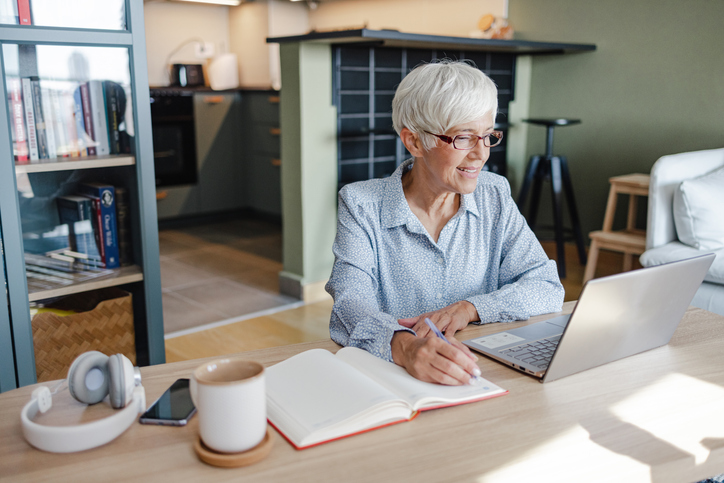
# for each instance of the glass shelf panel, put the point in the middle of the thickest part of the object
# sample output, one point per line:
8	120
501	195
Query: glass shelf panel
68	101
84	14
70	113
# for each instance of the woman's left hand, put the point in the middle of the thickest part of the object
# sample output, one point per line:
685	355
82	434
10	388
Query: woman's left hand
448	319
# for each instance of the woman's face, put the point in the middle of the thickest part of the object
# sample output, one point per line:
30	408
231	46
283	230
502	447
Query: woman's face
447	169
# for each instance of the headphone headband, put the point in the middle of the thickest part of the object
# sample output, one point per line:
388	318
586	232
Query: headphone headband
69	439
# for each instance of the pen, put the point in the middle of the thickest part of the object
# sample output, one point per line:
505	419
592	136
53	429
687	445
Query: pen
476	379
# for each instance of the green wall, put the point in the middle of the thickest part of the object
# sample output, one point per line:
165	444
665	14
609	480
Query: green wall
309	165
654	86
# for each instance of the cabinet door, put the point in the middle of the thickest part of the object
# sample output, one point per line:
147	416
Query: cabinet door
262	160
218	149
76	208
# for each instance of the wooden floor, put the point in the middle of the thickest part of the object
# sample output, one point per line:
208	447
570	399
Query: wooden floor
311	322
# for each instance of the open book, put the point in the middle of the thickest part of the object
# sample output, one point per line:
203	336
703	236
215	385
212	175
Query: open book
316	396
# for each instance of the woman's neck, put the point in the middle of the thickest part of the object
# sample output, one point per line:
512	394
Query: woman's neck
433	208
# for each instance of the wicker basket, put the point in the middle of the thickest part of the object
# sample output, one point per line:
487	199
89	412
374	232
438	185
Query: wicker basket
104	323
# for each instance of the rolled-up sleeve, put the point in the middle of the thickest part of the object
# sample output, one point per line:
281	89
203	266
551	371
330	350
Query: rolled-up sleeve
356	319
528	281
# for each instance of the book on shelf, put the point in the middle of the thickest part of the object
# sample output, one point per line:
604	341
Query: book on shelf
24	17
125	251
49	115
81	134
317	397
40	129
20	141
103	211
75	211
87	113
99	116
30	118
114	94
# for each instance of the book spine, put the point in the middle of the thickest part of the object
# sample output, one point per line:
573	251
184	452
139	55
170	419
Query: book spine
106	209
68	124
75	211
20	142
62	148
98	109
40	129
30	119
49	117
88	118
98	228
125	255
81	134
112	106
24	12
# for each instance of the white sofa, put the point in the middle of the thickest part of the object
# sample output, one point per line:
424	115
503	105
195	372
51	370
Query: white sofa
663	242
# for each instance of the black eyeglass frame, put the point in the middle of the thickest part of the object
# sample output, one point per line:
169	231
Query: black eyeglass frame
486	139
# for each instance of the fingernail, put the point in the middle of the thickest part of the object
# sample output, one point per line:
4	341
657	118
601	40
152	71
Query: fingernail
476	372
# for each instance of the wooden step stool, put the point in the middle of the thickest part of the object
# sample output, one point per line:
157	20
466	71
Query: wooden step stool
631	241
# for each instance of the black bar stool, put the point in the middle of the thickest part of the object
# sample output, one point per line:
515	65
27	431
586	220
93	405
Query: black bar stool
555	169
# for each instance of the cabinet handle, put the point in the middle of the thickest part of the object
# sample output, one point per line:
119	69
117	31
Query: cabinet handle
274	99
160	195
276	162
275	131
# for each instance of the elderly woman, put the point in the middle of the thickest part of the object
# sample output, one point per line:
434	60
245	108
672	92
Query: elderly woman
440	238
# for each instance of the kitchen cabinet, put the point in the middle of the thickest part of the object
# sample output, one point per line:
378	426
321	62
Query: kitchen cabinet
219	161
60	53
262	151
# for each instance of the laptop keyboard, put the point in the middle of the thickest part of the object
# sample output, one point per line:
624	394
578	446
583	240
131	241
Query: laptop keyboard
538	353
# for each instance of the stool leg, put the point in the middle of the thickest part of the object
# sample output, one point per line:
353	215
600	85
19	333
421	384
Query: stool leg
529	175
592	260
573	211
540	175
556	188
627	261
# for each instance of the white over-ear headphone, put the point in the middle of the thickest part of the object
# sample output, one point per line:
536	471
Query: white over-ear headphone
91	377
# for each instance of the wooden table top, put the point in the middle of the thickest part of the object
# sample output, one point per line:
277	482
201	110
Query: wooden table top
657	416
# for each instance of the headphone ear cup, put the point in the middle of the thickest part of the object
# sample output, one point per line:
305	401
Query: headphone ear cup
122	382
88	377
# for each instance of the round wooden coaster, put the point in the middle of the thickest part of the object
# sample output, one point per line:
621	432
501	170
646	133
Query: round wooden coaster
233	460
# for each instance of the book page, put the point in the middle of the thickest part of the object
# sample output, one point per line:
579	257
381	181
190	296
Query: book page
418	394
315	393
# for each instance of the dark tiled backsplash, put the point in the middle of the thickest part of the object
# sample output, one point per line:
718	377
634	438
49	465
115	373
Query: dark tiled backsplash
367	144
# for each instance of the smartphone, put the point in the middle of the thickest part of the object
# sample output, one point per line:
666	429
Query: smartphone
173	408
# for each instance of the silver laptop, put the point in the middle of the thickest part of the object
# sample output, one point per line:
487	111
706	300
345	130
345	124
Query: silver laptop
615	317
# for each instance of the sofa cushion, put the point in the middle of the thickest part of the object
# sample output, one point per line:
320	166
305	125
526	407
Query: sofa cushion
675	251
699	211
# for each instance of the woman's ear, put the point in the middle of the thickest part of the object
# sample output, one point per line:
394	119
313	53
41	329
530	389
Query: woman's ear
412	142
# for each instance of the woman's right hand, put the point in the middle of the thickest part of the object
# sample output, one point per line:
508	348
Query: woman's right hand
433	360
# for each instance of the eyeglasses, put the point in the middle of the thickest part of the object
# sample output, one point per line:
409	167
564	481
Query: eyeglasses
469	141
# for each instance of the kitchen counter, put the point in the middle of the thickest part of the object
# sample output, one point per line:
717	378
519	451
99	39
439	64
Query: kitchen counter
395	38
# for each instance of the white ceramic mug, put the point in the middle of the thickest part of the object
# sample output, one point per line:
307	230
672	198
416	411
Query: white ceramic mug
230	396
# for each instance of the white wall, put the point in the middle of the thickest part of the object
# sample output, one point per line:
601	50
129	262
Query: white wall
451	17
243	30
168	25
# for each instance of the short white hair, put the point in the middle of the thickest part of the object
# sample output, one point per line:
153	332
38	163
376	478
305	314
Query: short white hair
440	95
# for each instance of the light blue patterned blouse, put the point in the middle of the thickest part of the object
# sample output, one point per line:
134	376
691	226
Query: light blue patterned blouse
388	267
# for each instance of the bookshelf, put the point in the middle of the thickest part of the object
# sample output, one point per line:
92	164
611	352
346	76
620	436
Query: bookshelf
67	45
